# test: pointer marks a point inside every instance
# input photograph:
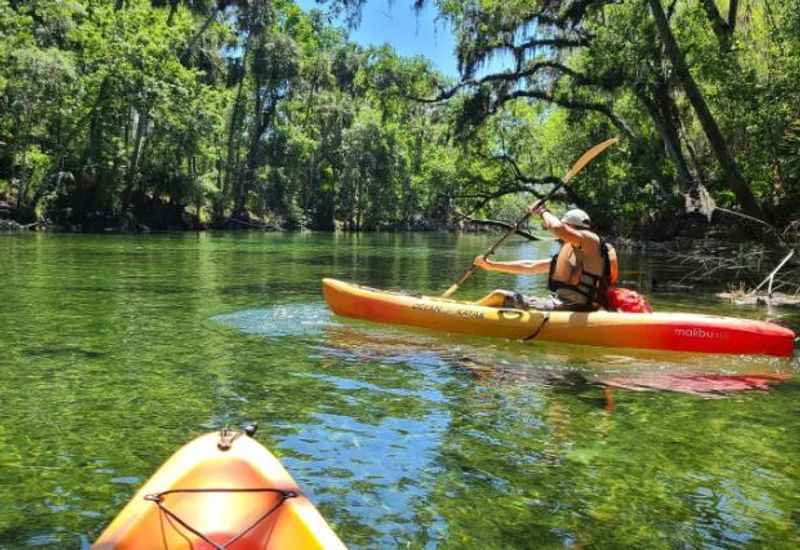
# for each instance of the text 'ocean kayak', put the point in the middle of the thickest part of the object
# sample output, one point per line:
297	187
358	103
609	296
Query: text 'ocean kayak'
663	331
222	490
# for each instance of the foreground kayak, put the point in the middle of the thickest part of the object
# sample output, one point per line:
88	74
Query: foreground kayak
663	331
222	490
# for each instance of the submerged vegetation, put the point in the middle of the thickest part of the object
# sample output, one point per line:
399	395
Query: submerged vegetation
255	113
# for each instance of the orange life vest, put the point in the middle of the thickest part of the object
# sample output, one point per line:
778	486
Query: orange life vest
589	291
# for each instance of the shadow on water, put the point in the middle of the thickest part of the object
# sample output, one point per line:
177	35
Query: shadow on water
66	351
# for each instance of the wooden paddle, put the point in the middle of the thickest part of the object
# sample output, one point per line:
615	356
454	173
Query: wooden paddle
585	159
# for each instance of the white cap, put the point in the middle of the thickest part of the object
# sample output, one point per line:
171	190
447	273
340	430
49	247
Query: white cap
577	218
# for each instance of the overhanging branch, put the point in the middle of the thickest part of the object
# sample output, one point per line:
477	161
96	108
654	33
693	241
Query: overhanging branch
507	76
569	104
496	223
520	176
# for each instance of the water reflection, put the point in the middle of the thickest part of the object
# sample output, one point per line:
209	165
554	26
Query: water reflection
548	364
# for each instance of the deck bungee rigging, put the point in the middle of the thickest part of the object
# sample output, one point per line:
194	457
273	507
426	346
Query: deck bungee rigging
221	492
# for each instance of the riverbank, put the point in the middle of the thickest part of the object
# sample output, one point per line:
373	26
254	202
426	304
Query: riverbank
704	254
12	226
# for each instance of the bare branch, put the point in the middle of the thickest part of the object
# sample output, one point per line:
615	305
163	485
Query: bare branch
496	223
445	94
519	50
486	198
505	158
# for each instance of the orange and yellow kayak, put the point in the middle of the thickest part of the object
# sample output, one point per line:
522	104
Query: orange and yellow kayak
222	490
662	331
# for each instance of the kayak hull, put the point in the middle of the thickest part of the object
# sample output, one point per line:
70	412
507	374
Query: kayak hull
659	331
219	516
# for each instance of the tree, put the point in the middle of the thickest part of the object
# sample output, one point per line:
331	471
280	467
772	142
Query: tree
718	144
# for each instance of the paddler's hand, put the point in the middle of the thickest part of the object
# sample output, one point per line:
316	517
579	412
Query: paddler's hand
538	208
481	262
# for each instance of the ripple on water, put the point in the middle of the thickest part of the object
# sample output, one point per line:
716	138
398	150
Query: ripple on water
126	480
391	463
280	320
45	539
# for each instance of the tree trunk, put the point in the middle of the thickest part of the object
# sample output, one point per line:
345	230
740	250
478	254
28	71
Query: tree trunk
232	172
233	143
199	34
91	153
734	177
660	113
173	7
722	29
133	165
12	155
247	175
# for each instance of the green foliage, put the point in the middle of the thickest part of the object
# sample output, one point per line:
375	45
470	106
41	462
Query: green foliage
160	113
602	69
177	113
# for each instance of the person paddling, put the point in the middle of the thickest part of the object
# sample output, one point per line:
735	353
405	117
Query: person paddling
578	275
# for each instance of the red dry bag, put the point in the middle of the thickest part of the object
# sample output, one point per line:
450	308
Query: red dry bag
626	301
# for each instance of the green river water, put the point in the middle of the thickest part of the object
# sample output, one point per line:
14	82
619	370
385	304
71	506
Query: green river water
116	350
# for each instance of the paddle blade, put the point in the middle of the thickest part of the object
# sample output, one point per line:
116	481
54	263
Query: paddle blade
587	157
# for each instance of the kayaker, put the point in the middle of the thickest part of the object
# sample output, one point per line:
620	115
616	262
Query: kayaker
577	275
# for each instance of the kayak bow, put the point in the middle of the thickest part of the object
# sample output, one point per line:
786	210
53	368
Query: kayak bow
219	491
663	331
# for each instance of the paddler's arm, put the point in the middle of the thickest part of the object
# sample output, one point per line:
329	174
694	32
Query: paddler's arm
519	267
561	230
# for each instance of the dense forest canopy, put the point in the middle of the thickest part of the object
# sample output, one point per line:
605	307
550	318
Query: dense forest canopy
248	113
